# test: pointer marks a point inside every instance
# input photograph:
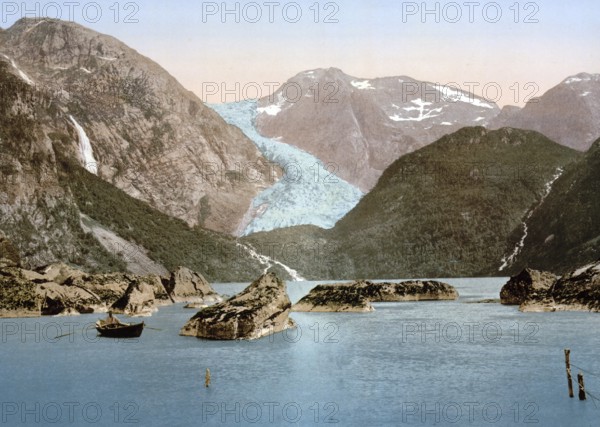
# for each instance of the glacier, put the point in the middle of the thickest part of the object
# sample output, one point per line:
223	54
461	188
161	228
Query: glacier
306	194
85	148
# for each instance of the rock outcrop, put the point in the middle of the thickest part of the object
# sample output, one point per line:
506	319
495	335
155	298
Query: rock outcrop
260	310
575	291
18	296
357	296
138	299
185	285
146	131
527	285
68	300
9	255
338	298
59	289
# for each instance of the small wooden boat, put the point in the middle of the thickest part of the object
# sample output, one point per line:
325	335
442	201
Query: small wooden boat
119	330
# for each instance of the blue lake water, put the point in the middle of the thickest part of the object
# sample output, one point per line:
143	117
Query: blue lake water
428	363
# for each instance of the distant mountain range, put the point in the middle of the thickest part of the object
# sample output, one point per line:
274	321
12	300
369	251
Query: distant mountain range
361	126
108	163
569	113
452	208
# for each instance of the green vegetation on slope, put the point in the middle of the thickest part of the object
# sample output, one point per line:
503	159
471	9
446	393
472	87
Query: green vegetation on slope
169	241
452	208
565	231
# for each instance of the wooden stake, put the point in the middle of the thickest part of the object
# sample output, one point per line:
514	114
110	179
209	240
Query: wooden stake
207	378
568	364
581	386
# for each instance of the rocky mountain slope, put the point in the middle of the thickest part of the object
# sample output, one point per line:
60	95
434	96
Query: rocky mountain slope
569	113
136	126
453	208
361	126
565	230
56	210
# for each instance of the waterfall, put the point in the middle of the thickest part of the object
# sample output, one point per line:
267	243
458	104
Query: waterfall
508	260
85	149
269	262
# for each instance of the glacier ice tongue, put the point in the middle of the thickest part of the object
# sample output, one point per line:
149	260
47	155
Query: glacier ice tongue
306	194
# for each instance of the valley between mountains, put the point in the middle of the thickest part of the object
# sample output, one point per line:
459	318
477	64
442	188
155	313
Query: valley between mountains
108	164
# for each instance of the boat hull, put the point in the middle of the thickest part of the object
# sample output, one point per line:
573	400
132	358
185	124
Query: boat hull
121	331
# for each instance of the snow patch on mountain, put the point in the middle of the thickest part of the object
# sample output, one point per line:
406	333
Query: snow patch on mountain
364	85
308	192
85	148
450	94
420	107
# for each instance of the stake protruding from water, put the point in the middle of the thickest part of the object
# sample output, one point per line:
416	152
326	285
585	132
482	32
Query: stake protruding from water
581	386
207	378
568	365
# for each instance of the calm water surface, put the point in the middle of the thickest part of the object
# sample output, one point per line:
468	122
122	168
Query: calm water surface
429	363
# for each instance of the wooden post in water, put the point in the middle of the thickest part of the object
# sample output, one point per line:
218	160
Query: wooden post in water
568	364
581	386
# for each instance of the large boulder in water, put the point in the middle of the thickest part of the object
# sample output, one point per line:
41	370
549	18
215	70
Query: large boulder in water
139	298
261	309
527	285
185	285
578	290
357	296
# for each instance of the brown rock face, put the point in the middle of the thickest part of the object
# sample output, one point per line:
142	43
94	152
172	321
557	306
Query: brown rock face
61	290
9	255
260	310
138	299
18	296
185	285
578	290
150	136
527	285
361	126
357	296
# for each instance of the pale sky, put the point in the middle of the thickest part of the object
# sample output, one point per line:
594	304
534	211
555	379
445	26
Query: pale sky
369	39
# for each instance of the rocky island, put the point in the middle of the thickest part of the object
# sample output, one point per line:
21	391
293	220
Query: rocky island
358	296
536	291
259	310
